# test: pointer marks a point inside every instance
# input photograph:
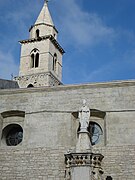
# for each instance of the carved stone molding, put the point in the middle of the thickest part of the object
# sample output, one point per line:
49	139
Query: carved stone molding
78	159
84	159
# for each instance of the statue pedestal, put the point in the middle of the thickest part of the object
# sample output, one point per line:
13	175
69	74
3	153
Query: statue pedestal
81	169
83	166
83	144
78	166
81	173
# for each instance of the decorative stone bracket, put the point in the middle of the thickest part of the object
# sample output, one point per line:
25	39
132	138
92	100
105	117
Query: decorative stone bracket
84	159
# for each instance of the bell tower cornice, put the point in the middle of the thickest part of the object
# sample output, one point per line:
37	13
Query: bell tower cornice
50	37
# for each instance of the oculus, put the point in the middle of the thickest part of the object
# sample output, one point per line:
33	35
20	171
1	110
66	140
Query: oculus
13	134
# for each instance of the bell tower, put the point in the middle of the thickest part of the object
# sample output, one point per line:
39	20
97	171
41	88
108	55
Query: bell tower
41	54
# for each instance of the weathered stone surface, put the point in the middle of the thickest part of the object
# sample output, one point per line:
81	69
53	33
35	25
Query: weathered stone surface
81	173
50	129
83	144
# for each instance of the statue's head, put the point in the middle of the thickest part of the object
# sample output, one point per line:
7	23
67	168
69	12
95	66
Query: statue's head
84	102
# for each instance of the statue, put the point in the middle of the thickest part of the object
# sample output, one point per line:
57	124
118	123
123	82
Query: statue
84	115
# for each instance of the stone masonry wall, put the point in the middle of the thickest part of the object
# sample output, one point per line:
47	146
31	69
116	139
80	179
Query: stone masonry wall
48	164
32	164
118	162
49	130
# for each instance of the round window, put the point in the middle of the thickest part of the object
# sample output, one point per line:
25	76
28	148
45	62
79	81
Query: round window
95	132
13	134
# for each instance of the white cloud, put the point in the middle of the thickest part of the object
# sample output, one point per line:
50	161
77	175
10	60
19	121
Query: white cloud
16	24
84	28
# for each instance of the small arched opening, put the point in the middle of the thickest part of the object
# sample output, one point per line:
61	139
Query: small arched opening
108	178
32	60
30	86
37	60
55	62
37	33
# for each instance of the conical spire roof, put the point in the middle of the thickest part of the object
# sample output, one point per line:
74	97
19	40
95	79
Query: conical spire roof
45	16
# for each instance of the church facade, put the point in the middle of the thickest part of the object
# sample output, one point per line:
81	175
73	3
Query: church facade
49	132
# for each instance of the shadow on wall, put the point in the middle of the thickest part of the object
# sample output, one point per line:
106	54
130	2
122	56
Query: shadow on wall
8	84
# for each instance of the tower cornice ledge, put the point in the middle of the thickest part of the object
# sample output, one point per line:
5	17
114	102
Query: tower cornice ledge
41	38
43	24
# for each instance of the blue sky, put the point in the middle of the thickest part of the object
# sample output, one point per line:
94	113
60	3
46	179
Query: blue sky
97	35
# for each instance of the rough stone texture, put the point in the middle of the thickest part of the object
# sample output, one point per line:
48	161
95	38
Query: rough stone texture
38	80
50	129
80	173
46	163
119	161
32	164
83	144
8	84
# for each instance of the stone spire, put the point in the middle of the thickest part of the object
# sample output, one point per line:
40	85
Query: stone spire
45	16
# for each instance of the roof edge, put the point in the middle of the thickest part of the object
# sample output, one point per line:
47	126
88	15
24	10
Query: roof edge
68	87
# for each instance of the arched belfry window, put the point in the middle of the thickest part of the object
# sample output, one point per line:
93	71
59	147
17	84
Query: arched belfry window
55	62
34	58
37	33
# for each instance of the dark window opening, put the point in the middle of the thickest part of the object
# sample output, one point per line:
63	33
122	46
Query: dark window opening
30	86
37	33
95	132
37	60
32	60
108	178
13	134
55	62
